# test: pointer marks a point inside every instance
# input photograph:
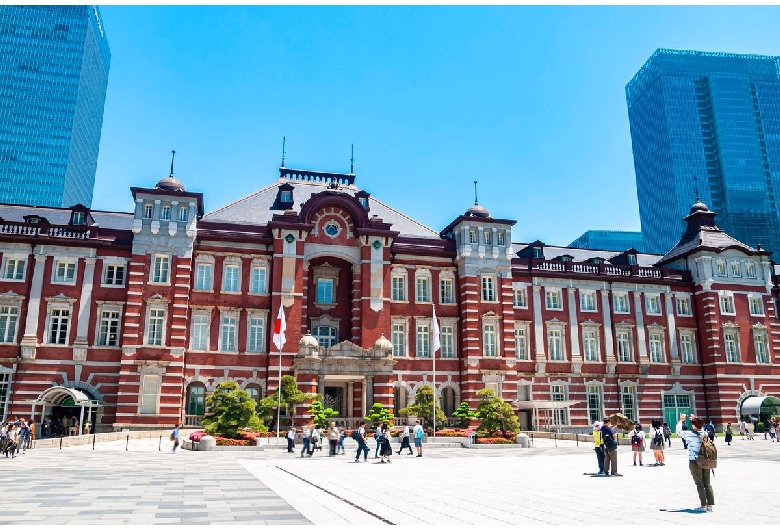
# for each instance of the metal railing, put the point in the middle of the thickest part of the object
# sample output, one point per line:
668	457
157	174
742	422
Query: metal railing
193	420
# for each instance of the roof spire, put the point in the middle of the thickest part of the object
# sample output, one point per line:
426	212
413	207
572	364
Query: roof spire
352	160
696	187
284	138
173	155
475	193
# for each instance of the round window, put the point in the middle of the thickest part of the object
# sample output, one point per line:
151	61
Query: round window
331	229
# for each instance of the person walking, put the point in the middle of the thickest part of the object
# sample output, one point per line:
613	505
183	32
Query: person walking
658	442
12	437
342	437
362	445
684	442
710	429
598	443
729	434
742	429
637	442
333	438
701	477
291	439
418	438
386	449
610	448
667	434
175	437
405	441
24	437
378	440
773	432
306	440
750	428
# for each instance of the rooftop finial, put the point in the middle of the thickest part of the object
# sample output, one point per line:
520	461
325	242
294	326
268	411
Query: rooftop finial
475	193
173	156
696	187
352	160
283	151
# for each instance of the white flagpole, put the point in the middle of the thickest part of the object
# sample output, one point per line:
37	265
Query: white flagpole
279	396
279	328
436	344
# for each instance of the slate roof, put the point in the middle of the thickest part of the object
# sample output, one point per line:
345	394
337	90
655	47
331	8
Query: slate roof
255	208
61	216
580	255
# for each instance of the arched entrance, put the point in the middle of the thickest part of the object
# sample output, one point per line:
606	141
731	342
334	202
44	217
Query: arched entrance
61	408
760	408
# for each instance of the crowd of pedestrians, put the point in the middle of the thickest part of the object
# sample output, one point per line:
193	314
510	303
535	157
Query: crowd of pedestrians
16	436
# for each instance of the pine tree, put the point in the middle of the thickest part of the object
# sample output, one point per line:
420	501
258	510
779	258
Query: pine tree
378	415
320	415
465	414
495	414
231	408
423	407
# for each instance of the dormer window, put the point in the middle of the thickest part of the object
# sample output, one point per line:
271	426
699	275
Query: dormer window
77	219
538	253
34	219
500	238
565	258
284	201
472	237
285	196
597	261
362	197
147	211
183	214
631	259
165	215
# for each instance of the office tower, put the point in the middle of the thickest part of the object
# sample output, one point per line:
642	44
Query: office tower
617	240
53	79
708	124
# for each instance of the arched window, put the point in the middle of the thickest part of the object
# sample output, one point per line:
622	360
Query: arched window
399	401
255	392
325	335
448	401
196	399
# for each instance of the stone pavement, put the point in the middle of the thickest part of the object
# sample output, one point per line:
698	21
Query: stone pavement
142	485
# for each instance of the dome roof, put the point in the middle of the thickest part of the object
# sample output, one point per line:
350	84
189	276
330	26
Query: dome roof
699	206
170	183
383	344
308	341
477	211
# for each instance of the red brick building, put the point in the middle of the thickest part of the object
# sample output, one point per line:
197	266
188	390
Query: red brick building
136	317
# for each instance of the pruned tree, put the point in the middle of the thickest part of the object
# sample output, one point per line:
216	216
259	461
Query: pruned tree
424	406
291	398
320	415
464	414
378	415
495	414
231	408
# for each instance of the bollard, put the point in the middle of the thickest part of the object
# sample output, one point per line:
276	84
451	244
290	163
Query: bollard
159	447
577	437
555	437
93	442
60	442
127	443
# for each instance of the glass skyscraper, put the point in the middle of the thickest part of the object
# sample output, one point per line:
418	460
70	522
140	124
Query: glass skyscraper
54	63
708	123
617	240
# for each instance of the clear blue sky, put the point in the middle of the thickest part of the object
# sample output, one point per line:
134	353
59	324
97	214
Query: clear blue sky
529	101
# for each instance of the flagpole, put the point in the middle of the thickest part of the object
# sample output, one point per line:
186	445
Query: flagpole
279	328
279	396
436	344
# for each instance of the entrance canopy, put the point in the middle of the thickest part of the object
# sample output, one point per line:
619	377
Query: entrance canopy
760	404
59	395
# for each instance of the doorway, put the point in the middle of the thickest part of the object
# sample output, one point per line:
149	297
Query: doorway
333	398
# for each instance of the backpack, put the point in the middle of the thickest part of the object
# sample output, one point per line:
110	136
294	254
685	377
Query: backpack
708	454
635	439
356	435
610	444
667	431
173	436
658	439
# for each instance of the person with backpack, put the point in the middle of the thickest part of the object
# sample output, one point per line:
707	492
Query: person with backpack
657	442
702	459
638	442
668	434
405	441
359	435
710	430
306	441
609	446
418	438
385	450
598	443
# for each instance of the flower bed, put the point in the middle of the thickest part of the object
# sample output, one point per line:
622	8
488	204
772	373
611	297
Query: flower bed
494	441
454	433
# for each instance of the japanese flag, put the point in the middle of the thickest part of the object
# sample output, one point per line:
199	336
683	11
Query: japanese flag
279	328
435	339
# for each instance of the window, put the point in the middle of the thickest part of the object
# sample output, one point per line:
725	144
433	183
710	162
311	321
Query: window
203	277
230	282
653	304
519	299
488	237
196	399
4	390
255	338
521	344
727	303
683	306
254	392
148	211
64	272
14	269
489	339
8	319
500	238
488	289
687	353
114	275
399	339
257	283
736	269
628	394
558	393
631	259
595	411
674	405
78	218
590	345
656	347
553	298
150	388
423	289
554	344
58	326
620	301
160	272
326	336
523	391
756	306
721	268
183	214
285	196
200	332
447	339
423	341
398	288
154	329
446	291
472	237
731	343
166	213
750	269
325	290
228	333
538	254
109	328
587	300
759	341
624	346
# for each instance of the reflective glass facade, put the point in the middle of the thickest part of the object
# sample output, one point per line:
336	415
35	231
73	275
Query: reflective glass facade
54	63
709	121
616	240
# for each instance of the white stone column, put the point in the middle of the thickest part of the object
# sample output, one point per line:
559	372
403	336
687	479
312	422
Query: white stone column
574	328
85	307
641	336
606	312
539	342
30	338
350	412
364	397
671	325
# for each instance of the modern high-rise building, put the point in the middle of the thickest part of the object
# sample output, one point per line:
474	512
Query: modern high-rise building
616	240
54	63
707	124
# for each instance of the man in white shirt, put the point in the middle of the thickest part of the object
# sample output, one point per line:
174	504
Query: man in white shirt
405	441
291	439
378	440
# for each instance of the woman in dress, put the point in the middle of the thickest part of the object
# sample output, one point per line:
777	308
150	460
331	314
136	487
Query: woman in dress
729	433
385	449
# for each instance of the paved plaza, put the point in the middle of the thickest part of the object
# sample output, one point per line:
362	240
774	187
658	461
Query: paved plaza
141	485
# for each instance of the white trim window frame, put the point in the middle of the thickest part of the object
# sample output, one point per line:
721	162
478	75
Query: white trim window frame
58	323
591	350
114	274
556	341
326	282
9	322
620	302
553	299
204	273
520	297
109	325
398	285
594	397
624	341
398	337
149	400
720	268
228	331
756	305
559	392
160	272
726	303
156	319
628	401
488	283
683	305
422	283
14	268
446	288
256	323
656	342
731	344
750	269
736	269
423	338
200	333
687	346
490	336
588	301
231	275
522	330
64	271
653	303
448	333
258	279
761	345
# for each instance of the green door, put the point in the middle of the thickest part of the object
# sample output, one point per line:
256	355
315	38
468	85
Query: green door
674	405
